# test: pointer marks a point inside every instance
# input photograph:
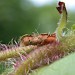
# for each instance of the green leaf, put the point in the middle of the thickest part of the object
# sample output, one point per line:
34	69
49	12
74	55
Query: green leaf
2	67
8	71
73	27
63	20
65	66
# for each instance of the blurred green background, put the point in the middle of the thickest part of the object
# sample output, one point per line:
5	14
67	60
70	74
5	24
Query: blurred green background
19	17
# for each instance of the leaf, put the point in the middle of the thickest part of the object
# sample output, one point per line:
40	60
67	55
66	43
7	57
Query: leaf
73	27
63	20
8	71
2	67
65	66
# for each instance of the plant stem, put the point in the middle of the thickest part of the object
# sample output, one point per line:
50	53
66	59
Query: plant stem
14	52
